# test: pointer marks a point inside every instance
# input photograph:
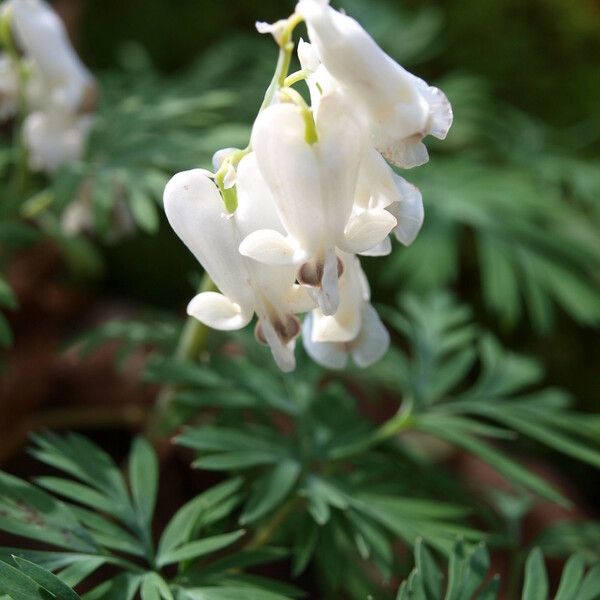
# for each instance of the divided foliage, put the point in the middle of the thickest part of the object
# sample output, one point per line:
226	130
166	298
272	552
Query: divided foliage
104	520
467	577
342	488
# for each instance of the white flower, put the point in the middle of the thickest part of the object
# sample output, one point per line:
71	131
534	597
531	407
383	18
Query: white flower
378	186
313	186
194	209
9	88
65	81
79	218
355	329
54	138
402	109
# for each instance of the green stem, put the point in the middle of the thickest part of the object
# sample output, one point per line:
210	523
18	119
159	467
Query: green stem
403	420
192	341
310	128
296	77
286	48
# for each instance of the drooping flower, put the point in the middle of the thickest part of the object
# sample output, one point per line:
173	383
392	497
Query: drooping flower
59	92
355	330
194	209
54	138
379	187
402	109
313	186
66	84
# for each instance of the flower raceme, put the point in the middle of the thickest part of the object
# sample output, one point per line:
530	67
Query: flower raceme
311	192
59	90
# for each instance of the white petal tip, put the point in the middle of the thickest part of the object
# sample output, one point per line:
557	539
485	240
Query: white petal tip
271	247
218	311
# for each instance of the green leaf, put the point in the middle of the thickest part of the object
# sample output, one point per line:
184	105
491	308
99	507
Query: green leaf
29	512
143	475
590	585
81	569
122	587
192	515
143	209
491	590
270	490
509	468
17	585
230	593
46	580
7	296
108	534
82	459
154	587
536	579
76	492
571	579
234	460
431	578
193	550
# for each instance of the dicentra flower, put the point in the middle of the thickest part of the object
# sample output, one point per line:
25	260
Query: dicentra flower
355	330
195	211
401	108
313	186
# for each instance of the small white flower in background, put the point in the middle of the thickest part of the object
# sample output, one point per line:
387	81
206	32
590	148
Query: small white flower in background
54	138
60	92
311	192
401	108
42	37
79	217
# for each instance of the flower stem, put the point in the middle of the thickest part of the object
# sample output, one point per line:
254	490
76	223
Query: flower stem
310	129
193	339
401	421
286	48
294	78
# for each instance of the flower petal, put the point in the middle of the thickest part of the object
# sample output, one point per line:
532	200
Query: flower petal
218	311
408	211
290	168
281	337
272	248
382	249
195	211
327	354
367	229
404	153
373	341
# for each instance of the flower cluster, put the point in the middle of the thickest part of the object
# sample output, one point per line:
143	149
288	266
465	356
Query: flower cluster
42	76
311	192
